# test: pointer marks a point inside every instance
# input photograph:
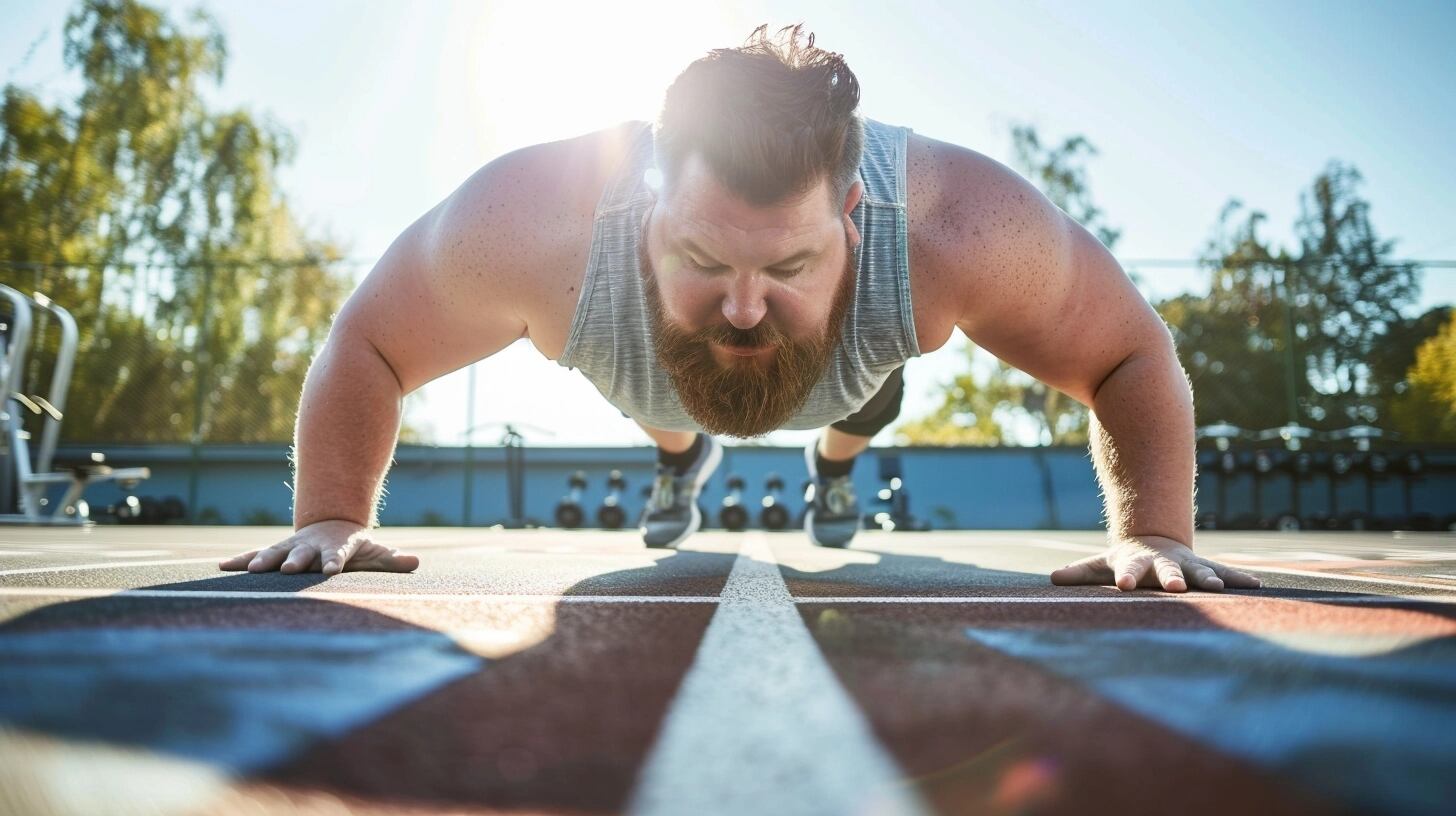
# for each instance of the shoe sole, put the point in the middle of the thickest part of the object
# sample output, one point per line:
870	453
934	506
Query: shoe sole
715	456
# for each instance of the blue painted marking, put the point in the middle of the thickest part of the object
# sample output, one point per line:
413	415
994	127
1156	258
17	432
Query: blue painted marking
1378	731
242	700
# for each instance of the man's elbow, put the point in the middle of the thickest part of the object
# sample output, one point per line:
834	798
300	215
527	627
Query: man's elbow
1150	363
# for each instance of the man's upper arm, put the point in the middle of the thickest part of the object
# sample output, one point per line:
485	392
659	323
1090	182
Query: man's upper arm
452	288
1032	286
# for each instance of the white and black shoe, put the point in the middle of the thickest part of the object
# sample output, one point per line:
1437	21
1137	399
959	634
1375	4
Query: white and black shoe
832	514
672	512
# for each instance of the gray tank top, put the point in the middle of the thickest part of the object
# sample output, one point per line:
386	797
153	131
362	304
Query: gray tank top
611	342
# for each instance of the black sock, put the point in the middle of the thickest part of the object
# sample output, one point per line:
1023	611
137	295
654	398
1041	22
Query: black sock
831	468
680	462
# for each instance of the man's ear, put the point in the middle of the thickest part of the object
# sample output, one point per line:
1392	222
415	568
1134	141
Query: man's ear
851	198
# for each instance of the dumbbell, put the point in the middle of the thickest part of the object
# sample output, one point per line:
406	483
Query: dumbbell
568	511
137	510
1413	463
773	516
1285	523
610	515
1378	463
732	515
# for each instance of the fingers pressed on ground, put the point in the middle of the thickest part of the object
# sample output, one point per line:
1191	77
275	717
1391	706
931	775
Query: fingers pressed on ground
303	559
385	561
1170	575
1131	573
1092	570
335	560
403	562
237	562
269	559
1238	579
1202	576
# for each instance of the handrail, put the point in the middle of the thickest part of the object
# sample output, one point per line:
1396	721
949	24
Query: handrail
17	343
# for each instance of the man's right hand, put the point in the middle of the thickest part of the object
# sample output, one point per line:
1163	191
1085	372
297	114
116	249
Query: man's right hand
329	547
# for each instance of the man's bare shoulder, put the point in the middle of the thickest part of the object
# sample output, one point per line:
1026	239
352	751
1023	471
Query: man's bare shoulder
966	213
528	216
937	260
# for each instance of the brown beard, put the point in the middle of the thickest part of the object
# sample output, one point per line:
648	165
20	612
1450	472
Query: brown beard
750	398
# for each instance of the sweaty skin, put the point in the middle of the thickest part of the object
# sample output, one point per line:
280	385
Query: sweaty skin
504	256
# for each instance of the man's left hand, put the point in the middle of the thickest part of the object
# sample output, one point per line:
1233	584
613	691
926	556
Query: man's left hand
1153	561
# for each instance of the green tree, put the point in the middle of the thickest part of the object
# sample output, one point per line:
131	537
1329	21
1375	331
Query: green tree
159	224
986	409
1318	333
1425	410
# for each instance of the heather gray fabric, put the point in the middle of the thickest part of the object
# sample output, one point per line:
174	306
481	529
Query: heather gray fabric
610	340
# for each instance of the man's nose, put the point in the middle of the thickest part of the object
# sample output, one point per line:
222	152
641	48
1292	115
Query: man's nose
746	302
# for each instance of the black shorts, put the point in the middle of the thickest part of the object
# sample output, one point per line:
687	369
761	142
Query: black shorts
873	416
880	411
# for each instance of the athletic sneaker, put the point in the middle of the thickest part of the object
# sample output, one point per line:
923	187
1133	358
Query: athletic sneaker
672	512
832	509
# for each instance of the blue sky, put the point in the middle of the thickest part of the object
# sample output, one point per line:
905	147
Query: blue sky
395	104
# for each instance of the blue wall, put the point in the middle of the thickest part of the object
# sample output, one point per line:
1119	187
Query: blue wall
974	488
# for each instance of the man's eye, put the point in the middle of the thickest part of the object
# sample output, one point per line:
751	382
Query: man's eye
699	267
783	273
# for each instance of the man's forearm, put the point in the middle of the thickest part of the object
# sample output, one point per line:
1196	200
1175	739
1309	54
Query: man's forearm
1142	447
348	423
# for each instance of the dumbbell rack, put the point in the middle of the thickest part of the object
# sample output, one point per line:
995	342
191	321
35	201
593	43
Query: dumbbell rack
16	472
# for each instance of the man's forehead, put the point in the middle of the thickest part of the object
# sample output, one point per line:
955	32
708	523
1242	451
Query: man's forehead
700	206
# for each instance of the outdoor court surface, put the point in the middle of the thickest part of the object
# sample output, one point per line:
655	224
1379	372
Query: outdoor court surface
554	672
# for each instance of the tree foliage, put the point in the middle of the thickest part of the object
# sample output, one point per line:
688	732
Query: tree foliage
1316	335
1426	408
158	222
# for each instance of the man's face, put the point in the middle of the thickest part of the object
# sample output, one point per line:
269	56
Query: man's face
747	303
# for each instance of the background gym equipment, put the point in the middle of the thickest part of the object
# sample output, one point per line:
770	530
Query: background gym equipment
611	515
1222	462
1346	465
732	515
569	515
773	516
896	500
145	510
23	483
1291	461
1412	466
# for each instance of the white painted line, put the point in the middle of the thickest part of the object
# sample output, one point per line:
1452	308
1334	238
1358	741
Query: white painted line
1190	597
1341	577
1054	544
110	565
760	723
242	595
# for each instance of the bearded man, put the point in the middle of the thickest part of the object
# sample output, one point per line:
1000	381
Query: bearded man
761	258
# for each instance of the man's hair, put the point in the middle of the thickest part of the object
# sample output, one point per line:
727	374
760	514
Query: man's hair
771	118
